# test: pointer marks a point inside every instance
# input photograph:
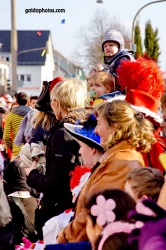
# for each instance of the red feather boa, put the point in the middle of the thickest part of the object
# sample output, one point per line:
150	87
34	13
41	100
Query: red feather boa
143	74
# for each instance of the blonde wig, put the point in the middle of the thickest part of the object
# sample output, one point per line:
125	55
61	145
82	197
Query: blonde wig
130	125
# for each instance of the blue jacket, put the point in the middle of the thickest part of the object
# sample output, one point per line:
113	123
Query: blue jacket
112	62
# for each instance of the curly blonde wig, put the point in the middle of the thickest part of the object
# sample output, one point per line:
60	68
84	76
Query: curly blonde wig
130	125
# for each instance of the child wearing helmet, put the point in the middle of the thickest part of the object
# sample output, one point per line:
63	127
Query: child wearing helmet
114	53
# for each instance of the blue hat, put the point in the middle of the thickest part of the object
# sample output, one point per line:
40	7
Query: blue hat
85	132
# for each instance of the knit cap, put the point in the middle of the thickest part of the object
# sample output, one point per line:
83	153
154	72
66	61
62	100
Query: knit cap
115	36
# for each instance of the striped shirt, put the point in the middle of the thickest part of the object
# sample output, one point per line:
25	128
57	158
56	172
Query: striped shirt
10	131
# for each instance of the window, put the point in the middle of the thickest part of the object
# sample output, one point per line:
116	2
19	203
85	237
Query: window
22	77
28	78
7	59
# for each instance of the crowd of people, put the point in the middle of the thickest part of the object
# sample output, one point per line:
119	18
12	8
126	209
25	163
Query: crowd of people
86	170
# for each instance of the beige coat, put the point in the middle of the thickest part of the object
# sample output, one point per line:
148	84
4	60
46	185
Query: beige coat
115	164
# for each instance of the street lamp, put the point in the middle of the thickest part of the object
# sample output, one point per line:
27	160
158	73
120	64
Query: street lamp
30	50
132	44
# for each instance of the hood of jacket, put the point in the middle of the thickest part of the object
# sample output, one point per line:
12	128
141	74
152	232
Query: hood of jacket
110	60
21	110
76	116
79	116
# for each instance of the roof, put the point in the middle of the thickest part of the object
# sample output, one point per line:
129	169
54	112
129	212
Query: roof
27	39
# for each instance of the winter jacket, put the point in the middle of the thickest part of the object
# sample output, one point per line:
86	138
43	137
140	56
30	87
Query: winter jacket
111	172
15	181
39	134
7	227
61	157
25	129
111	63
13	120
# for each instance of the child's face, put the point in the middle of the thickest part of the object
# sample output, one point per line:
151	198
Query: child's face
111	48
128	190
86	152
98	87
163	124
103	129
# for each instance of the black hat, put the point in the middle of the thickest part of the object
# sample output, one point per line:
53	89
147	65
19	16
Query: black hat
43	103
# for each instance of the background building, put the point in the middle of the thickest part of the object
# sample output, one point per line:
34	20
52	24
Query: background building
35	61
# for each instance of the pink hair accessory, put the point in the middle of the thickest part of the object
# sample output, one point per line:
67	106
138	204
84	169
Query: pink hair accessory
115	227
142	209
103	210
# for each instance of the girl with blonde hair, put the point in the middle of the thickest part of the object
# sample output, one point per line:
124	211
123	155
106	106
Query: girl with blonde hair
62	153
125	134
121	122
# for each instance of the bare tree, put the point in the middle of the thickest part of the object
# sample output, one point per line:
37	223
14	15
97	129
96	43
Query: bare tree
90	38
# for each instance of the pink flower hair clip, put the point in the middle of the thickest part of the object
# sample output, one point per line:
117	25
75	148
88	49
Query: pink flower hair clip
103	210
142	209
115	227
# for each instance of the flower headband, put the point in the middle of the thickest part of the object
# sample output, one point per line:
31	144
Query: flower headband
103	210
115	227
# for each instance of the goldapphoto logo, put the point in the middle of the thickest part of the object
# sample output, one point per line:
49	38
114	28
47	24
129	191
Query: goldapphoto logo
34	10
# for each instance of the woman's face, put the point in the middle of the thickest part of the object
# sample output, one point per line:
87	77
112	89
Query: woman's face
163	124
56	108
103	129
